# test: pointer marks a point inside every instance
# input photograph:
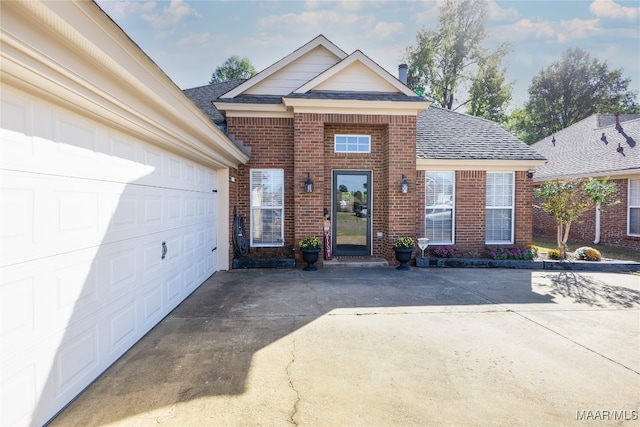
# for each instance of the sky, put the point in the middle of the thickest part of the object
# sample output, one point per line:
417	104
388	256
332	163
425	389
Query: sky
189	39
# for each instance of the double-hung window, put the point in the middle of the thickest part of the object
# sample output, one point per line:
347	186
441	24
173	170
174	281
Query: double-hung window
267	207
352	143
633	213
439	207
499	207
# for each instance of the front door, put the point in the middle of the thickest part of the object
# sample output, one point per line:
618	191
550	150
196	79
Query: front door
352	213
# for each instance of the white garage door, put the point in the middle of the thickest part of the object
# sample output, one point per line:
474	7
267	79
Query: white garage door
101	236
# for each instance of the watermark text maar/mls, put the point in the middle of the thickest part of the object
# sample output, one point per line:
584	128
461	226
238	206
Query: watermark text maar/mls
606	415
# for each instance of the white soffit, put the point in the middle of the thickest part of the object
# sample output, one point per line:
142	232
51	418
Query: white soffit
255	84
373	78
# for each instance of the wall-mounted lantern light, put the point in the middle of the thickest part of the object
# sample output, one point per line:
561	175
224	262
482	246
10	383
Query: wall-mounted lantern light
404	185
308	184
530	173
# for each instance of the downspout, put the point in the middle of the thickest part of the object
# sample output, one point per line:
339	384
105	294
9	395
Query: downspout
597	240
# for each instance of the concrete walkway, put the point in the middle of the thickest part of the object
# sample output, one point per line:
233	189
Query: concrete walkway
380	347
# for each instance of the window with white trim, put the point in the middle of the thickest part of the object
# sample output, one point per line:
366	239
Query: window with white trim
352	143
633	213
499	207
267	207
439	207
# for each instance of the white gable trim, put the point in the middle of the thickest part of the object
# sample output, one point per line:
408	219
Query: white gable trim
353	106
261	76
364	59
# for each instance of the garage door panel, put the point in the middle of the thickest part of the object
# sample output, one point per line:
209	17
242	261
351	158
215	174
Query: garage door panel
151	304
18	395
77	357
123	323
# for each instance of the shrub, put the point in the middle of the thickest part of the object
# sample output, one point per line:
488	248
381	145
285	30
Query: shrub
444	251
310	242
521	253
554	254
588	254
404	243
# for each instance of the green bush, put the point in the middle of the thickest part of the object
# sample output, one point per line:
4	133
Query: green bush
310	242
554	254
404	243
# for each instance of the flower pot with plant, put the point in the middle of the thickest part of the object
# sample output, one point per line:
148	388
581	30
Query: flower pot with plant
310	248
403	247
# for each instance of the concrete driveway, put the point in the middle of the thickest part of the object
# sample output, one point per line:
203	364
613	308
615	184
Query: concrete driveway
380	347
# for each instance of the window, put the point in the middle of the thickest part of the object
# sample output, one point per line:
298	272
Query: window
439	207
499	220
352	144
267	207
634	207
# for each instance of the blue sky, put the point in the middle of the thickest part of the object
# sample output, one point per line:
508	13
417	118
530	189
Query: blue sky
189	39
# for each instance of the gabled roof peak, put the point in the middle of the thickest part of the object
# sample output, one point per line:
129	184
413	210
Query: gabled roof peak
318	41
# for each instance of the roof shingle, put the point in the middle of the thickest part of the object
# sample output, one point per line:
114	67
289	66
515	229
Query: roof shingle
446	134
587	148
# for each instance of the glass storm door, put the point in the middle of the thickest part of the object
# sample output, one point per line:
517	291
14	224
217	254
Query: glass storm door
352	213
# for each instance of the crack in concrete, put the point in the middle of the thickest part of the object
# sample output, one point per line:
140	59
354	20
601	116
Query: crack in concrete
293	414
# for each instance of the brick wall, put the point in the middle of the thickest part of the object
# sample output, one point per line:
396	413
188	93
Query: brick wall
470	210
271	142
613	223
304	145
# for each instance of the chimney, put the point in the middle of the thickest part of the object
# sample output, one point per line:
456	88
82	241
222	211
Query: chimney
618	127
402	73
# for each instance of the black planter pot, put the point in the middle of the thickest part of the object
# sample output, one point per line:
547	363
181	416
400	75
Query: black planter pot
310	256
403	256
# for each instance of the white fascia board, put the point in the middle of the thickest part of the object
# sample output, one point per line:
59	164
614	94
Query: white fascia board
365	60
243	109
101	74
347	106
477	164
272	69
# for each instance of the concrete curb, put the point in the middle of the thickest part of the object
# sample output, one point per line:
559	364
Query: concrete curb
605	266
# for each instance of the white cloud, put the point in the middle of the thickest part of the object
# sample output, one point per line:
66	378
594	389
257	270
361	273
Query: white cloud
526	28
122	9
563	31
383	30
176	12
496	13
611	9
193	39
308	20
577	29
352	5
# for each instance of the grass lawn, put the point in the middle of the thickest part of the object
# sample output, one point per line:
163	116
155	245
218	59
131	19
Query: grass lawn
545	243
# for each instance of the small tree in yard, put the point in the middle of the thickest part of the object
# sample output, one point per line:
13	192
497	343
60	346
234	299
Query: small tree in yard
566	201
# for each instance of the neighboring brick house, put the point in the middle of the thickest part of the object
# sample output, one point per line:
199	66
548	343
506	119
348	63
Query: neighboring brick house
359	133
602	145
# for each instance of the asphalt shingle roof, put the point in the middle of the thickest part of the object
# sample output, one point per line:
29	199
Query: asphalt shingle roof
590	147
446	134
441	134
203	95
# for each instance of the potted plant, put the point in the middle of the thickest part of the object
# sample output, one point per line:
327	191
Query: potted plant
310	248
403	247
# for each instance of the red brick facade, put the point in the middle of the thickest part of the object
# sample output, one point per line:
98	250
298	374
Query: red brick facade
613	223
305	144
